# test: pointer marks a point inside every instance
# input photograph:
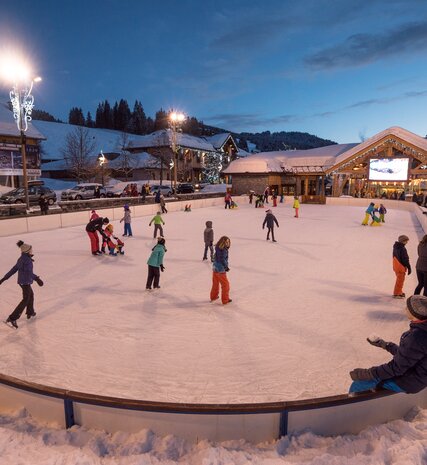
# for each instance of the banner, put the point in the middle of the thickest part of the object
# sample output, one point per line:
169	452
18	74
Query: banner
11	161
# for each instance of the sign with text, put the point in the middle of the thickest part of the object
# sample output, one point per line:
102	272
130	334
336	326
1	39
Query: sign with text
11	161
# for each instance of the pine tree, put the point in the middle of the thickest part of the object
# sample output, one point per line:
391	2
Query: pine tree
138	120
100	116
161	120
108	116
76	117
89	120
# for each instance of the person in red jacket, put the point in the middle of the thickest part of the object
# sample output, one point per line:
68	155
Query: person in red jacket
401	265
227	200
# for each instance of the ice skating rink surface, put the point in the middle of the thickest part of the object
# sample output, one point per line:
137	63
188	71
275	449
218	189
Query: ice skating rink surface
302	307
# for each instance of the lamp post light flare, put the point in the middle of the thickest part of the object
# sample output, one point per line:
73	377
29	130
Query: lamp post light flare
175	121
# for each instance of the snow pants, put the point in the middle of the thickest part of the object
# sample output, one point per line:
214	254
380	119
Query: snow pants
153	275
422	282
128	230
94	241
26	302
227	204
217	280
360	386
296	212
382	218
211	250
270	230
163	208
366	219
400	272
158	227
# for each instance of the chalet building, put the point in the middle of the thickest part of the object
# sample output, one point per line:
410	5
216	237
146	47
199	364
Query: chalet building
393	160
11	173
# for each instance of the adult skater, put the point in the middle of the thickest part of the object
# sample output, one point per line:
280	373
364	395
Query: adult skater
407	371
368	213
421	267
208	237
24	267
269	221
158	221
163	203
93	228
155	264
401	265
266	194
220	268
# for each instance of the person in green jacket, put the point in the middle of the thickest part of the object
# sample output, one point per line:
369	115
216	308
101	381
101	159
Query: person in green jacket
155	264
296	206
158	221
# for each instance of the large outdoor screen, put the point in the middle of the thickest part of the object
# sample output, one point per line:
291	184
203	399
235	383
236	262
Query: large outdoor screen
388	169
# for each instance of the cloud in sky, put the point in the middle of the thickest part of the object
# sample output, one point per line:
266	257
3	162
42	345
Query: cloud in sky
360	49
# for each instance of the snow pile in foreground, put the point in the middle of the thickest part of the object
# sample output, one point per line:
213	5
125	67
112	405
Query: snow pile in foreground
24	441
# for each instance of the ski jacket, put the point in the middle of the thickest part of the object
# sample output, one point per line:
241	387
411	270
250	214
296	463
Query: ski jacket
401	254
157	197
408	368
208	234
296	203
370	209
422	258
220	264
157	220
43	204
227	197
382	210
269	220
156	257
95	225
24	267
127	217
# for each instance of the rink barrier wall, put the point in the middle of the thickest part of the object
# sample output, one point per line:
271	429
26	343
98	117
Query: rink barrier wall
257	422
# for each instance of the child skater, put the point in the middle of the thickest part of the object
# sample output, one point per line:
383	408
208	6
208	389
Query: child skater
401	265
220	268
24	267
208	236
382	211
108	242
158	221
407	370
155	264
127	219
296	206
269	220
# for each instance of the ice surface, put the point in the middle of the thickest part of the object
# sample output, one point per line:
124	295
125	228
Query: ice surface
302	307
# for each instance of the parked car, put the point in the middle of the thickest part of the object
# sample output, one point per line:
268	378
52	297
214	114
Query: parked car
185	188
34	192
84	191
164	189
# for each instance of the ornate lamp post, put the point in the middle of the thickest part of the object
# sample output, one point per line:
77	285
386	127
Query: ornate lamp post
102	160
175	121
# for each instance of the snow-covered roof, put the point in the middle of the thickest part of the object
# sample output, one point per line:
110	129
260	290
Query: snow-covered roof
218	140
8	125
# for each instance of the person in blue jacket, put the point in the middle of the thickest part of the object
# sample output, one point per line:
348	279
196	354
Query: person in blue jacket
368	213
24	267
155	264
407	371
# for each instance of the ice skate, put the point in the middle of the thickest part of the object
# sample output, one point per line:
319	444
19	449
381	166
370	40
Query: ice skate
31	315
11	323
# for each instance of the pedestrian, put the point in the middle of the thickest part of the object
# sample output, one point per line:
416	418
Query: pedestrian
97	192
382	211
269	221
251	196
158	221
44	205
208	237
401	265
296	206
163	203
227	200
282	197
157	196
407	371
220	268
274	198
368	213
266	194
127	218
26	276
93	228
421	267
143	194
155	264
93	215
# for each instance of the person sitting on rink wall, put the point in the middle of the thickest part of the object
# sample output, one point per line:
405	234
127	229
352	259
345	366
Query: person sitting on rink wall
407	371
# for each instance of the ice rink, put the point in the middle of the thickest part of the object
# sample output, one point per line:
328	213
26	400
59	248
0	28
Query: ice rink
301	309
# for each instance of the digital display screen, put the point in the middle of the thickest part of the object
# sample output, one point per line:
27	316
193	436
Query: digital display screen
388	169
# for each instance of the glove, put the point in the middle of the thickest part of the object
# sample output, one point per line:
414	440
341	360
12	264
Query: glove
39	281
227	269
2	281
162	268
361	374
378	342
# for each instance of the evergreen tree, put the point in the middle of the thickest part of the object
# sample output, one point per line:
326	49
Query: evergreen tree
161	120
123	116
108	116
76	117
89	120
192	126
149	126
42	115
100	116
138	120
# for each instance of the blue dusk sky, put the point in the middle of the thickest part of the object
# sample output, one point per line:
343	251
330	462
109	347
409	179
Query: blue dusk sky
343	70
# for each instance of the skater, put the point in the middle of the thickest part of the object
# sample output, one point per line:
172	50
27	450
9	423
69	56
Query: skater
266	194
158	221
157	196
407	371
382	211
155	264
421	267
187	208
127	218
163	203
274	198
401	265
220	268
93	228
208	236
269	220
251	197
375	219
227	200
44	205
259	202
296	206
24	267
108	242
368	213
93	215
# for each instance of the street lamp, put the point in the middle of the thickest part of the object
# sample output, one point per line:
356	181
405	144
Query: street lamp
102	160
18	74
175	121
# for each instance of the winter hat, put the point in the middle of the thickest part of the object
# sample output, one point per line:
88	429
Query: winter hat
126	207
93	211
417	306
209	224
25	248
268	211
105	220
161	240
158	213
110	228
403	238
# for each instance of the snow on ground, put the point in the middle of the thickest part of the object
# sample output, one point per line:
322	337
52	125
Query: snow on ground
23	441
301	310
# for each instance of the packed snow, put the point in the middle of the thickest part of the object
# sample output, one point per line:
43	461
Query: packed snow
302	307
26	442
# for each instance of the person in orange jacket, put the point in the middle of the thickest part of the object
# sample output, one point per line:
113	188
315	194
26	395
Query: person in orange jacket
401	265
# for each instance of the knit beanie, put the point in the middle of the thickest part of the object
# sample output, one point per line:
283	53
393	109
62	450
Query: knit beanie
403	238
25	248
417	306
